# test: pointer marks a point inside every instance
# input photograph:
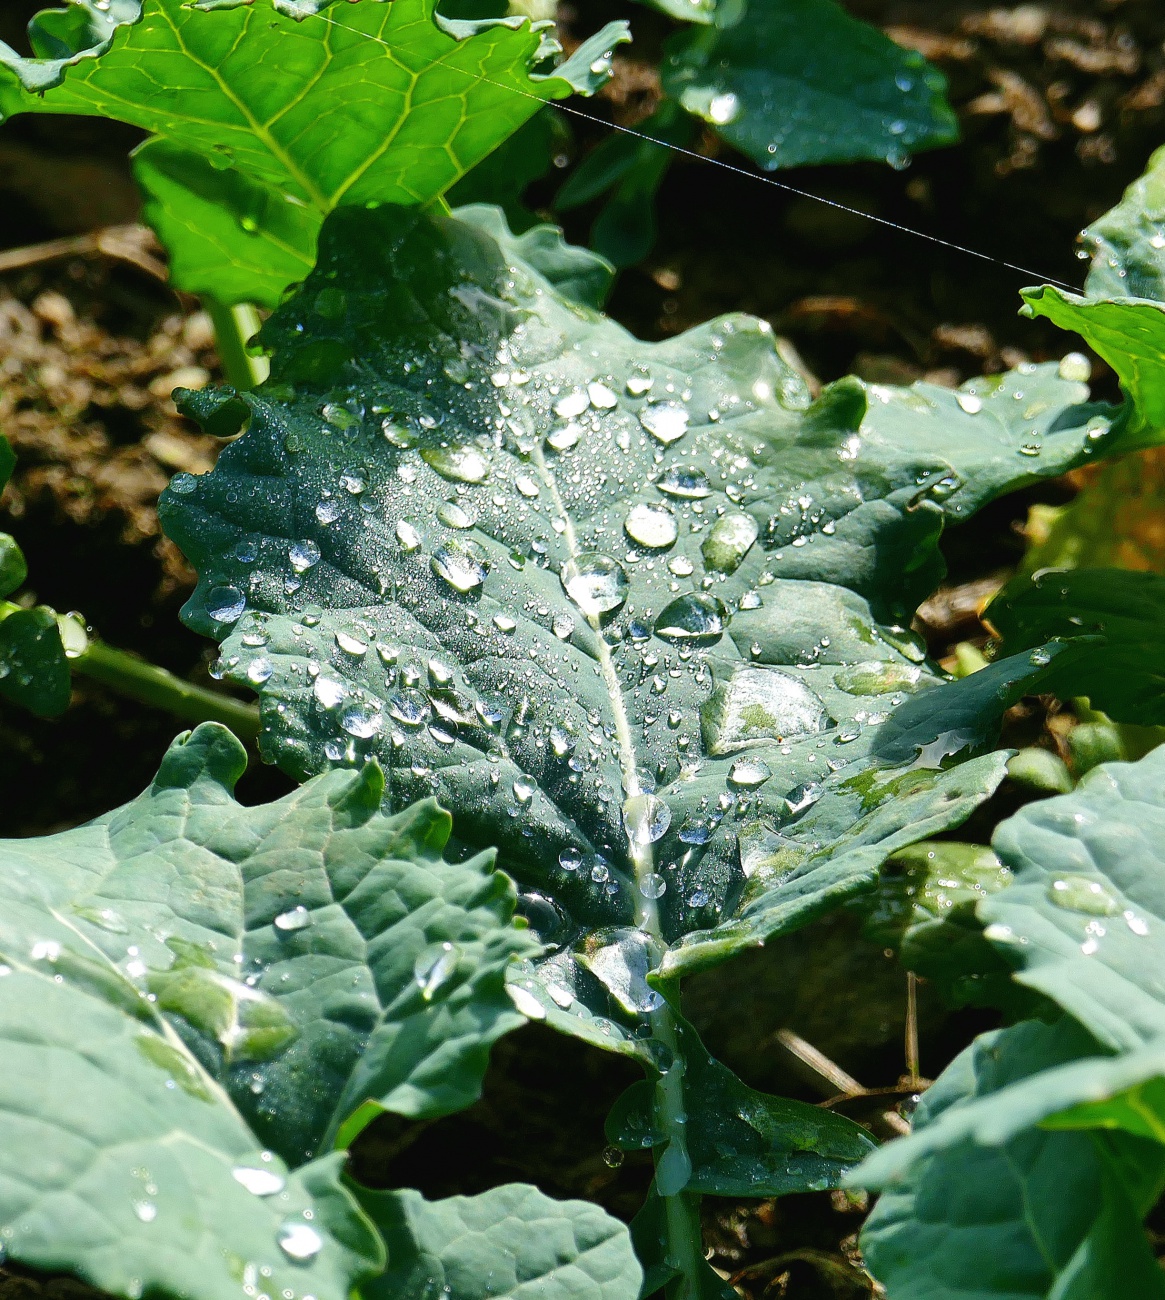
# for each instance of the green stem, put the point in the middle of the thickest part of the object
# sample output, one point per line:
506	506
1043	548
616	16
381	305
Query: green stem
234	328
155	686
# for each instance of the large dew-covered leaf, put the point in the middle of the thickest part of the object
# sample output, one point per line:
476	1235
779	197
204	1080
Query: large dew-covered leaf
981	1202
804	82
1084	920
305	958
633	612
510	1243
267	115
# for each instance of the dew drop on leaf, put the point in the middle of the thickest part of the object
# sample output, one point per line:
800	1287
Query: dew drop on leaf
646	818
458	464
408	536
747	773
299	1241
433	967
596	583
729	542
303	555
665	421
696	618
1083	894
299	918
459	566
225	604
259	1182
652	526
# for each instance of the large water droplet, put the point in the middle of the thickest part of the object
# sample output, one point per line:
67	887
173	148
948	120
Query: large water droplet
225	604
596	583
729	542
759	704
299	1241
434	966
646	818
652	526
259	1182
460	565
458	464
360	722
686	483
652	885
666	421
572	404
1083	894
303	555
299	918
696	618
749	772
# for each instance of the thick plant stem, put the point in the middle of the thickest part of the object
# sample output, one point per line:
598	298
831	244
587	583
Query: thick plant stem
155	686
234	327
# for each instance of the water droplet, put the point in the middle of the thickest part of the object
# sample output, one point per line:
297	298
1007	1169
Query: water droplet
258	671
596	583
804	796
303	555
665	421
646	818
565	438
183	484
602	398
572	404
434	966
723	108
459	566
525	1002
688	484
1075	366
353	481
758	703
299	918
299	1241
729	542
453	514
563	627
526	485
259	1182
328	691
696	618
1083	894
639	384
972	403
327	512
524	789
361	722
749	772
695	831
570	859
458	464
225	604
351	645
698	898
408	536
653	526
504	623
147	1211
652	885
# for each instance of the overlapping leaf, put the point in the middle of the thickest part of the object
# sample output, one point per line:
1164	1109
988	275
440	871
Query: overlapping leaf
268	115
1121	312
981	1202
804	82
511	1241
288	965
539	567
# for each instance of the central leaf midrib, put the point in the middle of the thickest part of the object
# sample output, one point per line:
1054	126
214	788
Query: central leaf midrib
641	856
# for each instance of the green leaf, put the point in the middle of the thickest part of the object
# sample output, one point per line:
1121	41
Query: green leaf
148	1012
315	956
270	121
1129	333
687	11
1084	920
34	672
925	909
1123	671
1128	254
13	567
418	482
980	1202
741	1142
511	1241
803	82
